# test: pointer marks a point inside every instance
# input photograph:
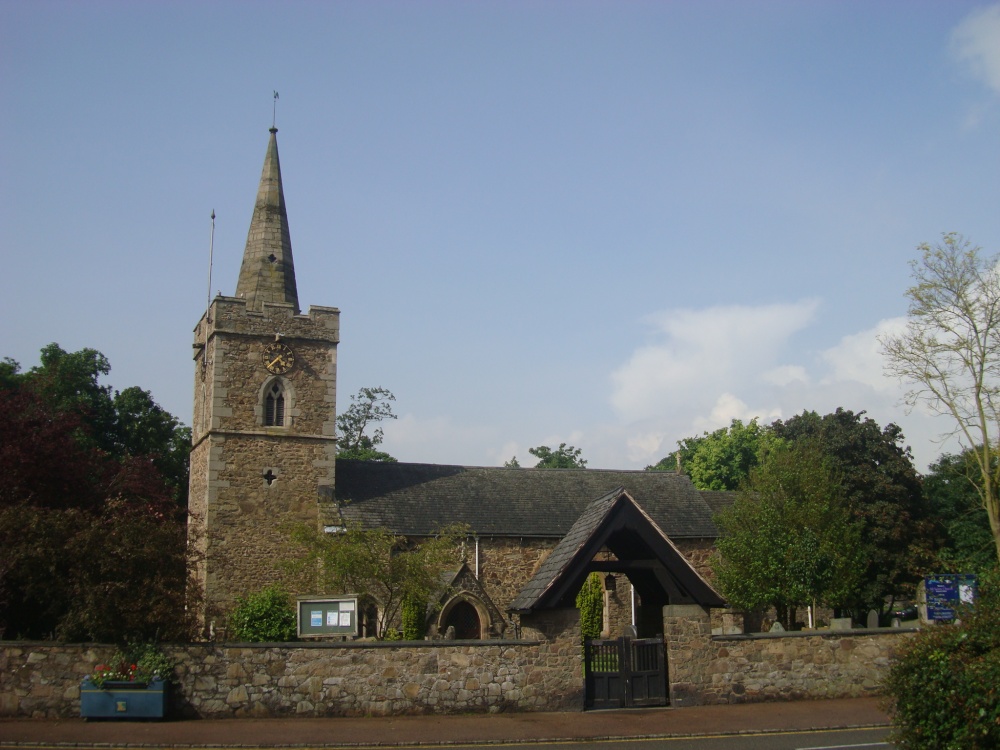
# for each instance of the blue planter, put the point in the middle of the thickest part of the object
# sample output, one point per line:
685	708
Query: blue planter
123	700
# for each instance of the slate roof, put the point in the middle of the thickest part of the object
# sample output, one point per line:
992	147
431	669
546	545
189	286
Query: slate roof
718	499
556	563
568	563
417	499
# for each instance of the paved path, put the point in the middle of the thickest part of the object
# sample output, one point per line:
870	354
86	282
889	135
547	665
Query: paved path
462	729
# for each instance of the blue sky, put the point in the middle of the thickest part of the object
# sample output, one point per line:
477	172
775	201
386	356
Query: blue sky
612	224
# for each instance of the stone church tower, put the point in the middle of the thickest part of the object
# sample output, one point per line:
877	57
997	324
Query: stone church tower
265	388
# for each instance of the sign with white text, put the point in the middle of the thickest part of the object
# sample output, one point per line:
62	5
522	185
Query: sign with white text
946	592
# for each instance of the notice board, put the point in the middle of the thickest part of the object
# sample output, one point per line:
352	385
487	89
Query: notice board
945	592
328	617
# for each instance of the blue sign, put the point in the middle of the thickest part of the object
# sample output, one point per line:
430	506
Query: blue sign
946	592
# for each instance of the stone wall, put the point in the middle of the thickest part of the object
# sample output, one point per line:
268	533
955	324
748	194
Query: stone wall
541	672
706	669
42	680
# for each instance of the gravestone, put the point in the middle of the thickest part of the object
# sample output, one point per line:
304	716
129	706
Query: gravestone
840	623
872	619
777	628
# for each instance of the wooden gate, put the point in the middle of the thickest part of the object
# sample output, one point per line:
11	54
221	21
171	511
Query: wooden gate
625	673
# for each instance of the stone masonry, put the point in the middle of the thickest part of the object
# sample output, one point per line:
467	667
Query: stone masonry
249	481
540	673
706	669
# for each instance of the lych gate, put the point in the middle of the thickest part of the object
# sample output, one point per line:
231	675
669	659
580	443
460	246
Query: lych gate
631	671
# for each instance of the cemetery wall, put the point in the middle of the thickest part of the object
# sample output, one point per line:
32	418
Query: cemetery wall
541	672
706	669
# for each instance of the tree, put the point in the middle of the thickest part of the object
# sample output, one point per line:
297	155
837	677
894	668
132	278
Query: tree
94	540
563	457
143	428
369	406
721	460
883	491
950	353
378	566
789	540
954	499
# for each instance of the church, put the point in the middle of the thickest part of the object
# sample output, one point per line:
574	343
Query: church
264	454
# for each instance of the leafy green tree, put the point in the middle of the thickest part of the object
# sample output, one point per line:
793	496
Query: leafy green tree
590	602
950	353
943	683
951	490
883	492
68	382
377	565
512	464
368	407
721	460
563	457
267	616
788	540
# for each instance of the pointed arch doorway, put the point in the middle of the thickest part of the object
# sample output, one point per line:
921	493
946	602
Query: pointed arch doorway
464	617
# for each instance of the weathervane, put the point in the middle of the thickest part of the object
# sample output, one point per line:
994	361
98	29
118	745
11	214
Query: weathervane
274	109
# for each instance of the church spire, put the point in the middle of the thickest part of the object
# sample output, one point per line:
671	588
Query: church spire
268	273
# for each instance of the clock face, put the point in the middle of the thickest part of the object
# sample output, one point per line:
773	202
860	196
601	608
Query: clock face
278	358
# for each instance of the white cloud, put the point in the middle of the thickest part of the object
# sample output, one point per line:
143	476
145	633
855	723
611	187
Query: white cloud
720	364
858	358
785	374
727	408
976	42
642	446
704	352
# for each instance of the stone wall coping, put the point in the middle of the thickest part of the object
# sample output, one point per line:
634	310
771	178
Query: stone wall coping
321	643
814	633
318	643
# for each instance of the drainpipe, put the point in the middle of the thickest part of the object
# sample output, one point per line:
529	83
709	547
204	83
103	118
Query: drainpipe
477	558
632	595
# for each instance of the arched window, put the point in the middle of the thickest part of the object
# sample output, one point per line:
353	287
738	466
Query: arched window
274	405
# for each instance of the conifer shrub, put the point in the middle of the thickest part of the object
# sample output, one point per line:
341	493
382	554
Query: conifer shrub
944	687
267	616
413	620
590	602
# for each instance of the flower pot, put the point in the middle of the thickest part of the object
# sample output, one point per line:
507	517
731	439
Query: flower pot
123	700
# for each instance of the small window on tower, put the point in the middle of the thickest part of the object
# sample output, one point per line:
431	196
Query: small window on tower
274	406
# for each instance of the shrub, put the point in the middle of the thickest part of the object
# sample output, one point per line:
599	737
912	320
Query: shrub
945	685
414	620
266	616
590	602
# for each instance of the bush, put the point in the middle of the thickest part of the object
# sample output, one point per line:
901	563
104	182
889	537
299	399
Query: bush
267	616
414	620
945	685
590	602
